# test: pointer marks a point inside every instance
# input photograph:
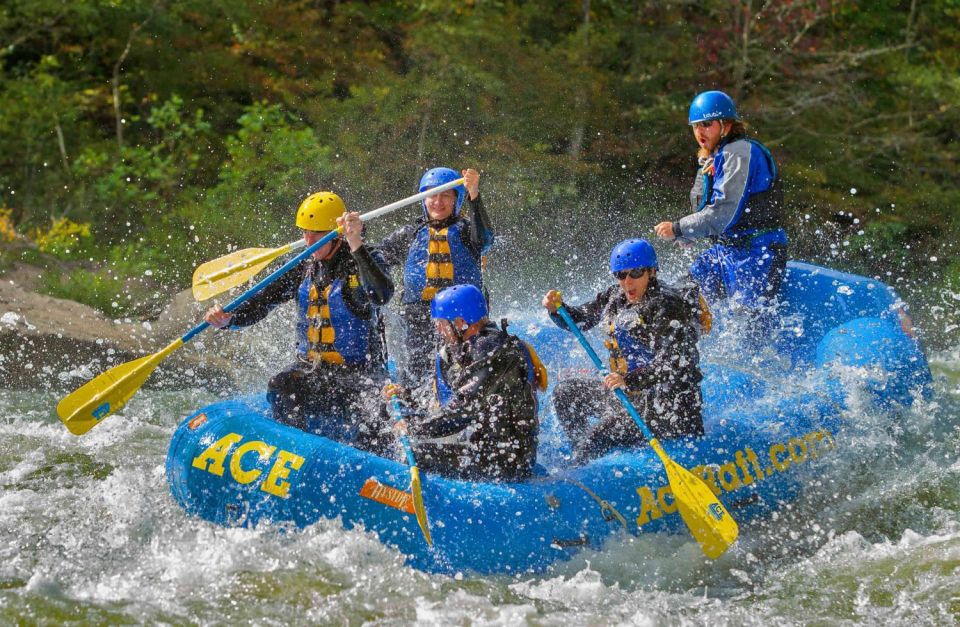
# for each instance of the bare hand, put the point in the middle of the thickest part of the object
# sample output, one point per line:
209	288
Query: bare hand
551	301
614	381
664	230
352	229
471	180
400	427
217	318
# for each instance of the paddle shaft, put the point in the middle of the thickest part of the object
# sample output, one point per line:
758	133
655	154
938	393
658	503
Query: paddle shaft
415	490
263	258
563	313
273	276
404	440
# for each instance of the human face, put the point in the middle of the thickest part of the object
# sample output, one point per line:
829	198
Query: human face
440	206
708	133
326	251
446	331
635	288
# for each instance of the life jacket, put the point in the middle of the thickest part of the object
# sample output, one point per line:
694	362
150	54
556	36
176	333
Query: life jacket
762	215
537	375
443	390
328	331
626	353
438	258
694	298
706	316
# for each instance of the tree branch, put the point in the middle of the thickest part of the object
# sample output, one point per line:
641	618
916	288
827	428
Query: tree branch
115	83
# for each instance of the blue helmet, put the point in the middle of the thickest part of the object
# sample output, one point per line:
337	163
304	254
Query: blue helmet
712	105
632	253
439	176
459	301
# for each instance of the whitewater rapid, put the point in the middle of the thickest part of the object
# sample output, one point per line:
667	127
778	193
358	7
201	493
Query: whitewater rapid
90	533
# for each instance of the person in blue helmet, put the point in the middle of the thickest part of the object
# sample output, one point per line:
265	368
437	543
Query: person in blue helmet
651	335
737	202
482	422
443	248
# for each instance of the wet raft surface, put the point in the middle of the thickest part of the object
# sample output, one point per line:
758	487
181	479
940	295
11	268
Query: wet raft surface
773	411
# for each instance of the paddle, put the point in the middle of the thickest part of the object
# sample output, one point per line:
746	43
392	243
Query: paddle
414	473
87	406
218	276
706	517
221	274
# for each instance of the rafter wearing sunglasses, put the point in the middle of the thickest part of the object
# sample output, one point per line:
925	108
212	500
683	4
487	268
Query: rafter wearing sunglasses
634	273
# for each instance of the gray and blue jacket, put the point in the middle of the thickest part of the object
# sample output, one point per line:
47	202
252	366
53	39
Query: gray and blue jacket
736	198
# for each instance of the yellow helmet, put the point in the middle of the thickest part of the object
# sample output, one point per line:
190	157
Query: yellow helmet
319	212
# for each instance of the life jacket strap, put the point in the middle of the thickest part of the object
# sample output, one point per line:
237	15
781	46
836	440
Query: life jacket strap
439	271
320	332
618	363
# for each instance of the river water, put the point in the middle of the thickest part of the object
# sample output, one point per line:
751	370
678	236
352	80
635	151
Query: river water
89	533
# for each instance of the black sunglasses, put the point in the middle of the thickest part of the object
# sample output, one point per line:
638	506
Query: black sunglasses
634	273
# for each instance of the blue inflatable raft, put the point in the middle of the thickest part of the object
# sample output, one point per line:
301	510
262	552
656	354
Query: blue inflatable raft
230	464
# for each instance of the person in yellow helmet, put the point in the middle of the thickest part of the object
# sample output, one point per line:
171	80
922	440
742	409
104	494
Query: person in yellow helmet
341	356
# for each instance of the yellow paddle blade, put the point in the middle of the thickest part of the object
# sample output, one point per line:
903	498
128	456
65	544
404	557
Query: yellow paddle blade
708	520
218	276
418	507
87	406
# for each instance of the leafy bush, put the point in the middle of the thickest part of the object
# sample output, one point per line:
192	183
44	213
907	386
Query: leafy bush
64	238
106	292
7	231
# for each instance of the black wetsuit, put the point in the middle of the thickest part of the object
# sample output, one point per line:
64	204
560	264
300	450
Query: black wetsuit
664	326
420	339
335	391
489	423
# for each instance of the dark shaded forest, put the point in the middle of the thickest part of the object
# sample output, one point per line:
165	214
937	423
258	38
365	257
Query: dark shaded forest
141	137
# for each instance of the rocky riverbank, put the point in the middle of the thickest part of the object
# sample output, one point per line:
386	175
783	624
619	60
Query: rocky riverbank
48	342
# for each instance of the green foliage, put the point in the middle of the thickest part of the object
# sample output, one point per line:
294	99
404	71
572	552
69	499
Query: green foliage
65	238
107	292
272	163
136	189
230	112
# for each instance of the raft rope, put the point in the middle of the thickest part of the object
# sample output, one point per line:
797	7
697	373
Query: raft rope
608	511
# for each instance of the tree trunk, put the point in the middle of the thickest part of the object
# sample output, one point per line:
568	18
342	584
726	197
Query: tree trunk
743	19
61	144
115	82
421	142
576	135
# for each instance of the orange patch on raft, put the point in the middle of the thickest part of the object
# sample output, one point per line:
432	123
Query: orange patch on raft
384	494
198	420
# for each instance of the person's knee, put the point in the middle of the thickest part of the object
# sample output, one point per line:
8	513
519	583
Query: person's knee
574	391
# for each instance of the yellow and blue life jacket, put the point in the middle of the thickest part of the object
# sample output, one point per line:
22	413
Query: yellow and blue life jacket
438	258
626	352
327	330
